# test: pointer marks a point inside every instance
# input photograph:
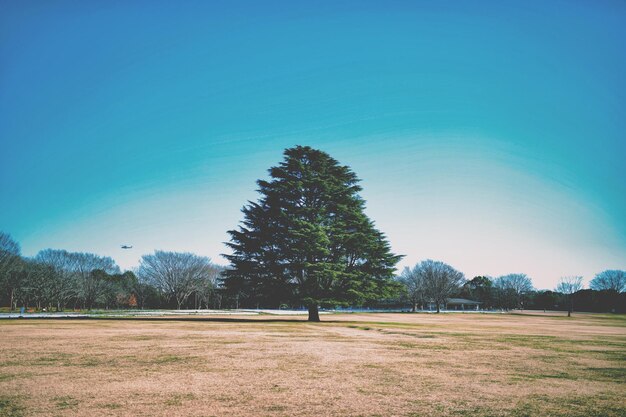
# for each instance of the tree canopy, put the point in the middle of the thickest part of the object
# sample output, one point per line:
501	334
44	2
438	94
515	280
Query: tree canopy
611	280
568	286
513	287
176	274
441	281
307	239
479	288
415	288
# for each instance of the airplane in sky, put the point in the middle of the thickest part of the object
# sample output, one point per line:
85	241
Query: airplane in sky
126	247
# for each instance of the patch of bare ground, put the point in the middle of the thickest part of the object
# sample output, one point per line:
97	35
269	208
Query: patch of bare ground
348	365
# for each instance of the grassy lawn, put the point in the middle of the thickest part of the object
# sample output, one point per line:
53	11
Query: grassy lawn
348	365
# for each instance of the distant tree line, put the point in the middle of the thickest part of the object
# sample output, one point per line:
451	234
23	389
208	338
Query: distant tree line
306	242
58	280
433	282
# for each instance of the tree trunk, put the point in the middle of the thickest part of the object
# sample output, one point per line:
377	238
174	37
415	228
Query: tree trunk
571	306
437	307
414	309
314	314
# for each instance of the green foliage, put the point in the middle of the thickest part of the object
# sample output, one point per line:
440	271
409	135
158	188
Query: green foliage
307	239
546	300
481	289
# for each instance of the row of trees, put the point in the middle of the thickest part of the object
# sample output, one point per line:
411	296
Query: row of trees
607	292
305	242
58	279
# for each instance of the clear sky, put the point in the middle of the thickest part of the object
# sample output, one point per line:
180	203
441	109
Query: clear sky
488	135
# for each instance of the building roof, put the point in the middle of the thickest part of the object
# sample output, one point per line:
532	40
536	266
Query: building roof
462	301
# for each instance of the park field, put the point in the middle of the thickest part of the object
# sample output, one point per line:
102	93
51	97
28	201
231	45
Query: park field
348	365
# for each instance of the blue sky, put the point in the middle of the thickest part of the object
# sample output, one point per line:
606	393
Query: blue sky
489	135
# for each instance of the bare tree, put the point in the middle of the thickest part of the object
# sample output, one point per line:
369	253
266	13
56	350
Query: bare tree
440	280
175	274
63	280
90	282
414	283
9	265
569	286
143	288
9	251
75	275
611	279
36	284
206	286
515	284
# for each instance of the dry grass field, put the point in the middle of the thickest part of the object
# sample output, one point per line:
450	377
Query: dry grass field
348	365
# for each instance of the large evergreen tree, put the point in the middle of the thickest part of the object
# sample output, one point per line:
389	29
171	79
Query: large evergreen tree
307	240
